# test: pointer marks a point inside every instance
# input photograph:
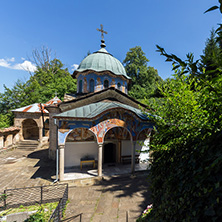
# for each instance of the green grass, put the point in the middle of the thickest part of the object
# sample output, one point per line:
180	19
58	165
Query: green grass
48	207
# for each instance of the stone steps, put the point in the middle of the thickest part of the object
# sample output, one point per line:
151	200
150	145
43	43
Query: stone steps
28	145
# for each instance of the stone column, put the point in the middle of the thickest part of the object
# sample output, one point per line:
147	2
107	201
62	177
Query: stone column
61	162
133	148
40	135
10	139
100	159
1	141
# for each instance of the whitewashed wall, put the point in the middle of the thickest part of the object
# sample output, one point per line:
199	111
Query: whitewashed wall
74	151
126	147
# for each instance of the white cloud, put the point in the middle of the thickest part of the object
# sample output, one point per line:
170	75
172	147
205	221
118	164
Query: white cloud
74	67
4	63
10	60
25	65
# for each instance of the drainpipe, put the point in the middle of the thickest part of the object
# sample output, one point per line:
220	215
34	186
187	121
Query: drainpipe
43	123
57	153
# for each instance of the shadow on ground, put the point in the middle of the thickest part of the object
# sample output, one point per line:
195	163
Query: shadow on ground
130	186
46	167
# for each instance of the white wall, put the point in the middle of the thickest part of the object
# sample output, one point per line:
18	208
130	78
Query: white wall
74	151
127	145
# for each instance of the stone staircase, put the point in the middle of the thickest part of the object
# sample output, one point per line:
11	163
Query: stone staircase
28	145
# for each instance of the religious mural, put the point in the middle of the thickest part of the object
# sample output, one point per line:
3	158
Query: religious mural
117	133
113	84
99	82
80	134
144	134
85	85
100	126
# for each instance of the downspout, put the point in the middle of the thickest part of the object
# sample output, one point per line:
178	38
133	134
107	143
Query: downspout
57	154
43	123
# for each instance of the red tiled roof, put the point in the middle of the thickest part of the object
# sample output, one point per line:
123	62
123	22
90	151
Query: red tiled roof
38	107
9	129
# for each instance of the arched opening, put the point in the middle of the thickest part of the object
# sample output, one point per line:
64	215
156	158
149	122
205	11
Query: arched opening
117	145
110	153
80	86
106	84
119	85
91	85
80	144
30	130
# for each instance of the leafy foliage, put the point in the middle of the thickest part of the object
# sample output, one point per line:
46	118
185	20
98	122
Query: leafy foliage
187	155
4	121
186	148
144	78
47	80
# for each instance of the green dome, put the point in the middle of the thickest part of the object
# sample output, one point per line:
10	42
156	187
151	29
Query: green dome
102	61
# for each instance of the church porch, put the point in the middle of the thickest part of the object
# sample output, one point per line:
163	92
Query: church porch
113	169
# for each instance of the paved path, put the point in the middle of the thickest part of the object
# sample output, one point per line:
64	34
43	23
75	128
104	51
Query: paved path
110	200
106	201
19	168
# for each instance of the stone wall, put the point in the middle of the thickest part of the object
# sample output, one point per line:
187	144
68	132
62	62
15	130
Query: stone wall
9	137
20	117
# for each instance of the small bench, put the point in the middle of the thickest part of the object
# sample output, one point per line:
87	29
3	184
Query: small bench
87	161
127	159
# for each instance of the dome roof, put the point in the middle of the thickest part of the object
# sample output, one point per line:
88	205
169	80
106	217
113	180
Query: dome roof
102	61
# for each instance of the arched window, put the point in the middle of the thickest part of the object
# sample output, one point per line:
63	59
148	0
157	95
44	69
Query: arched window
80	86
106	84
91	85
119	85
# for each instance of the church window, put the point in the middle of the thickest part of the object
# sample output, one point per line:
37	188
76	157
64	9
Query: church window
119	85
91	85
106	84
80	86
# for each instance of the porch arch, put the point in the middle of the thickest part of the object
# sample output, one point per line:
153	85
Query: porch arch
117	141
30	129
80	143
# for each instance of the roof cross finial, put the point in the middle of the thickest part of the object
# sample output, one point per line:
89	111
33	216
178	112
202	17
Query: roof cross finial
102	31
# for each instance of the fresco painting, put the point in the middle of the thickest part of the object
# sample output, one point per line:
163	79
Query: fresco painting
100	126
80	134
144	134
85	85
99	81
117	133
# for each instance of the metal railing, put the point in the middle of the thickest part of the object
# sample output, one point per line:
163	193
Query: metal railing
32	195
58	213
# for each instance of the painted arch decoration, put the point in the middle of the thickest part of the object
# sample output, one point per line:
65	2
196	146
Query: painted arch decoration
101	125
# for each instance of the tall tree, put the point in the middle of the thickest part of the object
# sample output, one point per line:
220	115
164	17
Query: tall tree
50	77
212	53
186	151
144	78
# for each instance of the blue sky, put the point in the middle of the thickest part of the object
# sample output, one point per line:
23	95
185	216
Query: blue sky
68	27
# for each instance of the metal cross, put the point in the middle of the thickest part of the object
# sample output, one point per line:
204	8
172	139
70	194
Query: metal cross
102	31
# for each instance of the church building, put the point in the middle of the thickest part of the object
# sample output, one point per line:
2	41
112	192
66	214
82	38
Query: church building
100	124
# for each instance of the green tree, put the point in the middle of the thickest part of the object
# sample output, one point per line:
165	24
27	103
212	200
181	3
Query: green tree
4	121
43	85
186	148
211	58
187	156
48	79
144	78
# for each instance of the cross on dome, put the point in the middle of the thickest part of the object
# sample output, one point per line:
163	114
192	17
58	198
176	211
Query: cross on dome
102	31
